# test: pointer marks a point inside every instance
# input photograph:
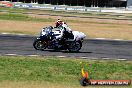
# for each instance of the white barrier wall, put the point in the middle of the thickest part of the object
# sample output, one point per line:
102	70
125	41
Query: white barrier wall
129	3
67	8
49	7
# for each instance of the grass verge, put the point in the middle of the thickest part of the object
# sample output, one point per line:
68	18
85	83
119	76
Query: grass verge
21	17
73	13
41	70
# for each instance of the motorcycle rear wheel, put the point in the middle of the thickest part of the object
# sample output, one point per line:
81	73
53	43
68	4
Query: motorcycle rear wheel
39	45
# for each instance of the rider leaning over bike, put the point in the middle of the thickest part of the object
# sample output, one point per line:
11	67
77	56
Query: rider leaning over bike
65	30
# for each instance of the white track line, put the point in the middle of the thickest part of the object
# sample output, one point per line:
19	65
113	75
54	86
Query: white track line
33	55
11	54
122	59
118	39
91	58
100	38
4	33
61	56
83	57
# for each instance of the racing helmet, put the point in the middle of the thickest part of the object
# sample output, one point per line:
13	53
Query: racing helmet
58	23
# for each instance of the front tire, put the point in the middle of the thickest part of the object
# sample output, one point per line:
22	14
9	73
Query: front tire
75	46
39	45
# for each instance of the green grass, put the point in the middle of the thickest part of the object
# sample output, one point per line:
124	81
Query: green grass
9	16
12	9
63	71
17	14
69	13
22	17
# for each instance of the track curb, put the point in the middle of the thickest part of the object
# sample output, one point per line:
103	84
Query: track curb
88	58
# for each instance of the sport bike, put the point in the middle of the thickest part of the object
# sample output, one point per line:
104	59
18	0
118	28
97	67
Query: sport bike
47	40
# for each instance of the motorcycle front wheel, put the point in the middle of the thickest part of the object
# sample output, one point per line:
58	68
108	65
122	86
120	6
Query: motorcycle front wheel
75	46
39	45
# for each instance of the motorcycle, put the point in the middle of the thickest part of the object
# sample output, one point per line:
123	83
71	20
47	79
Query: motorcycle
47	40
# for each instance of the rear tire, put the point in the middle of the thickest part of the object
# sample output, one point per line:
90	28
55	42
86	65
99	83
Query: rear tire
39	45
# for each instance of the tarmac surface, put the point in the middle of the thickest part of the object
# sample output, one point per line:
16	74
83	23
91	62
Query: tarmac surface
92	48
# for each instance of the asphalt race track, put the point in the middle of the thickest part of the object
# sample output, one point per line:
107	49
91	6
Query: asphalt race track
92	48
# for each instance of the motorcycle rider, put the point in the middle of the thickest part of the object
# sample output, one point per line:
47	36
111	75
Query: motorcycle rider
58	23
65	31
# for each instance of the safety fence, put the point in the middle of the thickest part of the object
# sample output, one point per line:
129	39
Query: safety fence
64	7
